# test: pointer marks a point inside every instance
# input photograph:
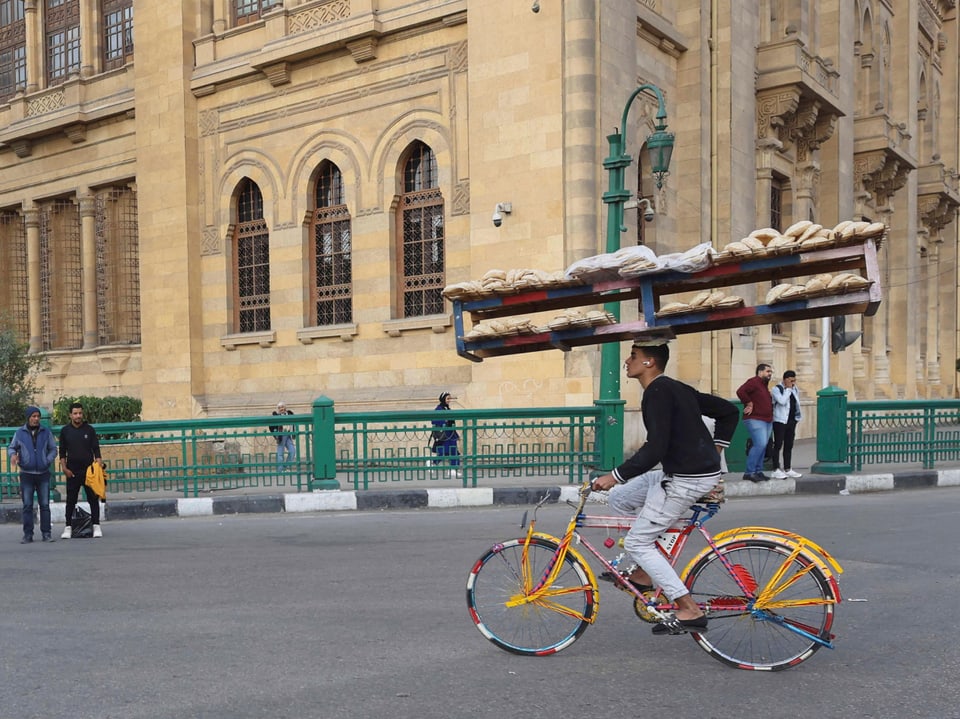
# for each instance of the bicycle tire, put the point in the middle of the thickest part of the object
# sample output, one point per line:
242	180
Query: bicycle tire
751	634
535	628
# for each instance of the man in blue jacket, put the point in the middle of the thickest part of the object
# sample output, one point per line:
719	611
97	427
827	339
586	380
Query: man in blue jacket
32	449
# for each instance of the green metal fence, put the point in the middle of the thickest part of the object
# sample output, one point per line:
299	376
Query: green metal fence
191	458
903	432
384	448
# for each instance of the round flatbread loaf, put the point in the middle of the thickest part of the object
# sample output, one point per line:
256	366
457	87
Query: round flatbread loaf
811	231
797	228
700	298
872	230
753	243
737	248
781	241
765	234
776	292
841	226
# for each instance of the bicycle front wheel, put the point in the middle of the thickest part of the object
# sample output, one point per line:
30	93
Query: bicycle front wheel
551	621
775	625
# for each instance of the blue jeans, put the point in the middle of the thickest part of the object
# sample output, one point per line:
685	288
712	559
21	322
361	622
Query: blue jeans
759	436
285	446
39	484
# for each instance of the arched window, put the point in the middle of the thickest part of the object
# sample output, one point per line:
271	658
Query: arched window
421	235
251	261
331	294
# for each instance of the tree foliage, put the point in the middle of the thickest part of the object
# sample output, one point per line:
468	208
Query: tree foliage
19	370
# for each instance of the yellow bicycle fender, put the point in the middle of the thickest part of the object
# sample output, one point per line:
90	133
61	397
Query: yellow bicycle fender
825	557
781	539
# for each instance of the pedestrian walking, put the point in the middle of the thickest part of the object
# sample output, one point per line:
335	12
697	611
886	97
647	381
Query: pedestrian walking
444	438
786	414
33	449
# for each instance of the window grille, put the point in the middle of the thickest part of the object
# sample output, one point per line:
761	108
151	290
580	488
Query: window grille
13	259
62	31
61	281
332	296
117	33
421	233
251	262
118	267
13	48
246	11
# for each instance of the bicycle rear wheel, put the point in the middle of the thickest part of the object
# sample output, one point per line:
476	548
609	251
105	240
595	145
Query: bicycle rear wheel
769	633
546	624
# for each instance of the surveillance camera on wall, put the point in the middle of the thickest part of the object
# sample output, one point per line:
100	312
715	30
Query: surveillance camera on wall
648	213
502	208
536	6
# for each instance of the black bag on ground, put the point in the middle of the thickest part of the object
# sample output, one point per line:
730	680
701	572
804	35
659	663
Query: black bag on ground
82	524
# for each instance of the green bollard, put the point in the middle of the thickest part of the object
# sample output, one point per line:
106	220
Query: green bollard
832	432
324	446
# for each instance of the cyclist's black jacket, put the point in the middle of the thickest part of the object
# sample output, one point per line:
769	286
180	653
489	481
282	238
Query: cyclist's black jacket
677	438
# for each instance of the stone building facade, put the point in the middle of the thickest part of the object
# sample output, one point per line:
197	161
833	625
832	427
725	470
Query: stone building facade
215	204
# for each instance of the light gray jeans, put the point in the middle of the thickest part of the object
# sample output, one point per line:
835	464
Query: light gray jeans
657	505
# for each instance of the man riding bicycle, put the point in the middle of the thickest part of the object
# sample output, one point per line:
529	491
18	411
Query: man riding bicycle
677	440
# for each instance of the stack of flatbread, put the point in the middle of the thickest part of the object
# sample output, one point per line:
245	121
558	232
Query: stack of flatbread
506	282
817	286
799	237
706	300
574	317
504	327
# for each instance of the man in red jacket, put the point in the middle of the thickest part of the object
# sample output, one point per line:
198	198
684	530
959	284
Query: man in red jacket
758	419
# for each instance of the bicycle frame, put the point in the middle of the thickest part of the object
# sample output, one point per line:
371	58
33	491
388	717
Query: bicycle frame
757	601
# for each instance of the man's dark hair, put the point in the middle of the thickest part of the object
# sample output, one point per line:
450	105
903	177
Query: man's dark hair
75	405
760	368
789	373
660	354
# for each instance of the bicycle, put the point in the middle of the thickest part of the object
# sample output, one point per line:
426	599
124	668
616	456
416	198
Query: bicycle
769	594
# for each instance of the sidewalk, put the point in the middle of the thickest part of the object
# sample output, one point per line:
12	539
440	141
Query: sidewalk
445	492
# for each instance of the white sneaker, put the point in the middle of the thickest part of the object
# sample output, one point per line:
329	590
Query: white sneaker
793	475
454	474
97	532
67	533
779	474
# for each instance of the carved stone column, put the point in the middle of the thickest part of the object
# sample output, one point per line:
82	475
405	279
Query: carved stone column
88	244
31	220
933	314
34	44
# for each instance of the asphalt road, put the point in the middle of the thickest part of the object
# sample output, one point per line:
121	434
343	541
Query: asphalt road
346	615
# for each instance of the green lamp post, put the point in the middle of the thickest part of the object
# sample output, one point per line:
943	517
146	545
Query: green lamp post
660	148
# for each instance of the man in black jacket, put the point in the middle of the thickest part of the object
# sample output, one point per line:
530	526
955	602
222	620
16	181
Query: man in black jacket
677	440
79	448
